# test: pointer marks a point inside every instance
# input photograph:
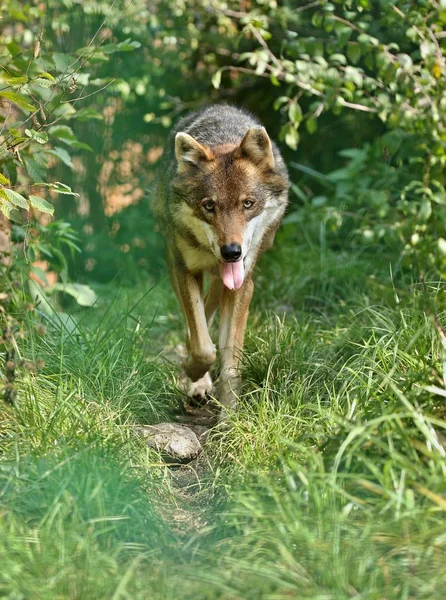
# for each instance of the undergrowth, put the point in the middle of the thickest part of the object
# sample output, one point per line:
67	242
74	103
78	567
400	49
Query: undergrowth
329	485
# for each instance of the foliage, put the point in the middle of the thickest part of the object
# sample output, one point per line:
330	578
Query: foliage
41	89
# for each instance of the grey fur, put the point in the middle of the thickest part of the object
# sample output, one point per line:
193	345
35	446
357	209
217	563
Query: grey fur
212	126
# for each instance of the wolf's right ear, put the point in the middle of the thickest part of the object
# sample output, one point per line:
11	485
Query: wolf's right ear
189	152
256	147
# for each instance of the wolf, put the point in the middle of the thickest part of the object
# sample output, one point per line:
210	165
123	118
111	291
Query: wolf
219	199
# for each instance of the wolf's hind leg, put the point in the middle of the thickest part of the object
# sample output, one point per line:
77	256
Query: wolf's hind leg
233	319
212	299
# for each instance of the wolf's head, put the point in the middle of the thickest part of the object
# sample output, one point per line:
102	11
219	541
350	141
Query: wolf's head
232	195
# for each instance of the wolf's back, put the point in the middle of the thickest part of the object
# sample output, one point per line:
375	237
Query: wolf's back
218	124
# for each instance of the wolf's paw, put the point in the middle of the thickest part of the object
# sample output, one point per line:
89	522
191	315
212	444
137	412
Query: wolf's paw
224	422
199	390
198	363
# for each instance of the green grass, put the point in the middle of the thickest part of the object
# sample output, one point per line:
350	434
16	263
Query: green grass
330	484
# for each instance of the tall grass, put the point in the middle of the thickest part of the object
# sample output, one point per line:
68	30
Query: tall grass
330	484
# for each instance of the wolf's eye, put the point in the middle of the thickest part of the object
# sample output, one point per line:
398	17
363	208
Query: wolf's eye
248	204
209	205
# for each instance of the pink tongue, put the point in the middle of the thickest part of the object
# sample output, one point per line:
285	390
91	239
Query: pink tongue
232	274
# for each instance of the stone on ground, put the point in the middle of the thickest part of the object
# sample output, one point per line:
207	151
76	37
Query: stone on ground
175	442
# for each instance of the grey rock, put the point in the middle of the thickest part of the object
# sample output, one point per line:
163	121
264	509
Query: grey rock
176	443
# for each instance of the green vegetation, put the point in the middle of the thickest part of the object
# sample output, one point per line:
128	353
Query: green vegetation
331	482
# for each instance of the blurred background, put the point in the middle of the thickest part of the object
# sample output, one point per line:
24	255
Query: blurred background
353	91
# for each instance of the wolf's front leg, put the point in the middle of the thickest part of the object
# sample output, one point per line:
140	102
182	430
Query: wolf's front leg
202	352
233	318
200	389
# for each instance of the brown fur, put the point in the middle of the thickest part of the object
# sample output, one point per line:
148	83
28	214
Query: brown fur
221	156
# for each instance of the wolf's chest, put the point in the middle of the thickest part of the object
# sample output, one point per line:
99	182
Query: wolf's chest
196	259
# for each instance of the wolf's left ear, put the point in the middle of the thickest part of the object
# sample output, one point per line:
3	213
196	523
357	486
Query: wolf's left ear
189	152
256	146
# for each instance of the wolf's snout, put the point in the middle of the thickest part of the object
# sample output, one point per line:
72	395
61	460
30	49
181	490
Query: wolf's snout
231	252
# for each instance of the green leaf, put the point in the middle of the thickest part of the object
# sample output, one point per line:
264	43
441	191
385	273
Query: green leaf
279	101
83	294
323	179
45	83
4	180
10	212
47	75
216	79
62	62
126	46
319	201
18	234
425	210
66	135
299	193
339	58
295	112
92	54
62	131
14	80
59	188
86	114
14	49
35	171
39	136
291	137
80	145
354	75
107	49
427	48
19	100
15	198
353	53
40	273
343	33
62	155
41	204
311	125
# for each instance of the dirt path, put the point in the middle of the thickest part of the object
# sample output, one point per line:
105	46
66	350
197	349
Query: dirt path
190	464
190	481
190	478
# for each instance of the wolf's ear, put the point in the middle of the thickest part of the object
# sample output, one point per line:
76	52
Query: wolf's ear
256	146
190	152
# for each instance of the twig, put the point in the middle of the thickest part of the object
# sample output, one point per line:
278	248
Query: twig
307	6
88	95
403	16
95	35
348	23
265	45
361	107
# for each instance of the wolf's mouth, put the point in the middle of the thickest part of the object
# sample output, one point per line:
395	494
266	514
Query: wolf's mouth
232	274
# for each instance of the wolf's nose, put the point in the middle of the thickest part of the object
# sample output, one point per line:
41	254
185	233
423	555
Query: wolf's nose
231	252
